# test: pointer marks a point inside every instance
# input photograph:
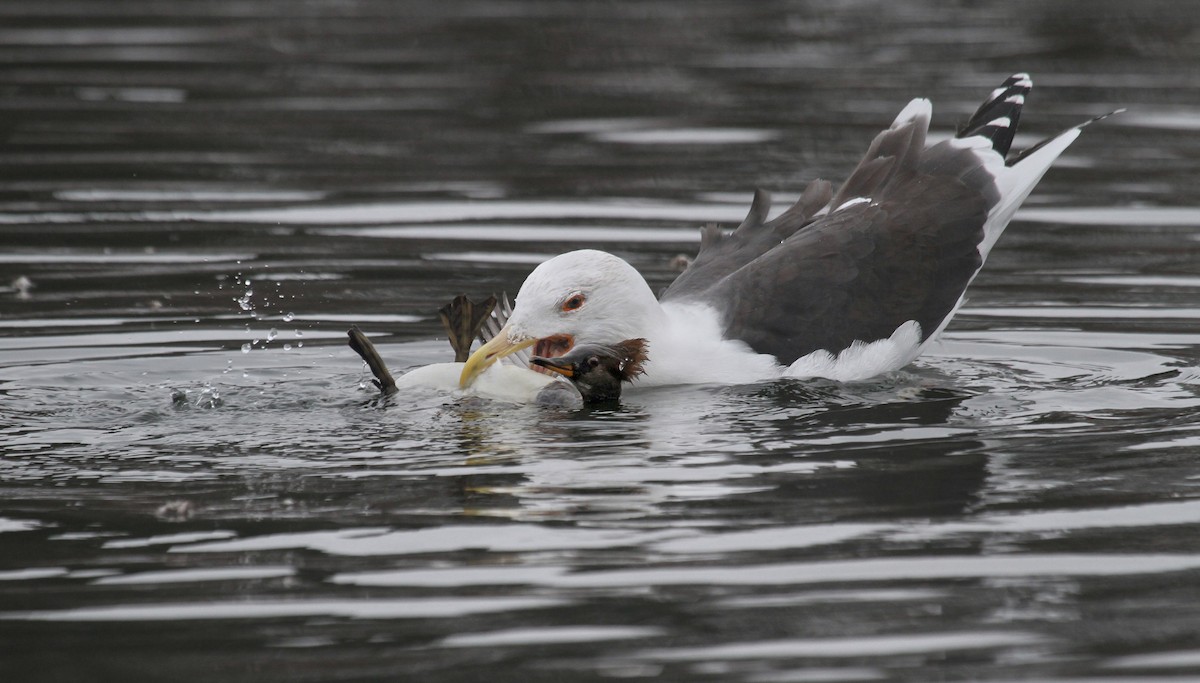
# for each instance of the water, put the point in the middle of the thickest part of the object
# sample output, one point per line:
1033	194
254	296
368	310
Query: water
197	482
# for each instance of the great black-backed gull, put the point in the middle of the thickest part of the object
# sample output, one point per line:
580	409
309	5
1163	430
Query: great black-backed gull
844	285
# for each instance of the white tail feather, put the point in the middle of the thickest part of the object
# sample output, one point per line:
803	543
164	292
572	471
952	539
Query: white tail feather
1016	182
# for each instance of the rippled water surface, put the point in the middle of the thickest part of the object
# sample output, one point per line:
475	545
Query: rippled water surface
196	482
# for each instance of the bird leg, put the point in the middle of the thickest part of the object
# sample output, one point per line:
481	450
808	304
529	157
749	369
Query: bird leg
363	347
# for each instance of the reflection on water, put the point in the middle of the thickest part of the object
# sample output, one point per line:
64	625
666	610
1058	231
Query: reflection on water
197	199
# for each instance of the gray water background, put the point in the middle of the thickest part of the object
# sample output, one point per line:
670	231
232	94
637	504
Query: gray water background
198	198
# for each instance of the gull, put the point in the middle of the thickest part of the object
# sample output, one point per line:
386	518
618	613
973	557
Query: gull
844	284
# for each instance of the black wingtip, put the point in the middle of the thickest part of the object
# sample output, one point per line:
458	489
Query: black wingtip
1018	158
997	118
1101	117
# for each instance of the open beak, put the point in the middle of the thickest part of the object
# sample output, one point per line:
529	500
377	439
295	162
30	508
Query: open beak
555	365
489	353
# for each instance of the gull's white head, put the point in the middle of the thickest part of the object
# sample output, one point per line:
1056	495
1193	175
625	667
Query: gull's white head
581	297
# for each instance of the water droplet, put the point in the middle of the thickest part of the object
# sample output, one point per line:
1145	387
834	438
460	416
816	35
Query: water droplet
289	317
272	334
244	301
246	348
287	347
299	333
299	345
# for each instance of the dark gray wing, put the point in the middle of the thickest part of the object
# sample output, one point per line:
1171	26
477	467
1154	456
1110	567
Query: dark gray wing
904	248
721	254
859	273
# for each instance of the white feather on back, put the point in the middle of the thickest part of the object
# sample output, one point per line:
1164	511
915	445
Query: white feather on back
692	350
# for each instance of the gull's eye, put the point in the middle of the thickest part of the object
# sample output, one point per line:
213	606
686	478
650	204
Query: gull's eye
593	362
573	303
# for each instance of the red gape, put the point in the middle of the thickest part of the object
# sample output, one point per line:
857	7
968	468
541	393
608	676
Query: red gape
552	347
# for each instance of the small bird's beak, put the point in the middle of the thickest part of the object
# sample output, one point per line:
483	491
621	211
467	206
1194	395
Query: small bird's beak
557	365
489	353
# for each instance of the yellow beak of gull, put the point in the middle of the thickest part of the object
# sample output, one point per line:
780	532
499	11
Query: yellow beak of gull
489	353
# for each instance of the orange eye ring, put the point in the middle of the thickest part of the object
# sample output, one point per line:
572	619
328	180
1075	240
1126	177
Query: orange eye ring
573	303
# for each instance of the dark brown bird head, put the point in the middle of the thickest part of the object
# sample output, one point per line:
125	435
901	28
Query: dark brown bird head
599	370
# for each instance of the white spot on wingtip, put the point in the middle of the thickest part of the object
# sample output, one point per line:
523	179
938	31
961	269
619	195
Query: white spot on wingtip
1002	122
1021	80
